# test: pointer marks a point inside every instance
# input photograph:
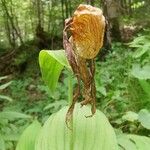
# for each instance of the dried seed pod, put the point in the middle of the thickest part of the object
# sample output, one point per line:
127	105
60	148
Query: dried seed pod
93	133
87	28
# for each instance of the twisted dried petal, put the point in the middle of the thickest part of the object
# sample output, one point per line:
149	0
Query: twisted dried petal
87	31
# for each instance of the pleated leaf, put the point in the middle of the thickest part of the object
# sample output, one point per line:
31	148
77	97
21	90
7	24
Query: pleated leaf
94	133
142	142
51	64
28	137
133	142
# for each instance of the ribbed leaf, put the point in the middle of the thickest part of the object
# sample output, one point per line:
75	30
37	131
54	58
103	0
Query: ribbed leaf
93	133
51	64
125	143
142	142
27	139
133	142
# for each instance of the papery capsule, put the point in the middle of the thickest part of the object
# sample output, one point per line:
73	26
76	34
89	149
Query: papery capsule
87	30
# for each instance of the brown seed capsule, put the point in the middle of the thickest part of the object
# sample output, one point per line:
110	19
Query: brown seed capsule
87	30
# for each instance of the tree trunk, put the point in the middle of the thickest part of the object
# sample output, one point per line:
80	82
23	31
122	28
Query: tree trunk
11	21
62	10
49	17
12	41
67	10
111	13
39	12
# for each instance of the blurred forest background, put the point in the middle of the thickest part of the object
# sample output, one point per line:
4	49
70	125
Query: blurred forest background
122	70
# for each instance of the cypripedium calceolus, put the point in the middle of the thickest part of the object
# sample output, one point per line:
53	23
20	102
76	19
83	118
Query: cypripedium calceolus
87	28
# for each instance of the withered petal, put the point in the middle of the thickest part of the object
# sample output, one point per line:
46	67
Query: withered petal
87	31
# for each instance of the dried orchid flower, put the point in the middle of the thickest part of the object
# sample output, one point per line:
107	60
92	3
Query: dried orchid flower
87	27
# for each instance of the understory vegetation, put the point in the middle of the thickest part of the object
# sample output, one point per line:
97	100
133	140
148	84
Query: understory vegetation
122	78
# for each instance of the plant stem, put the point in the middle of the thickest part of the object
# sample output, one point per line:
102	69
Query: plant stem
70	98
70	88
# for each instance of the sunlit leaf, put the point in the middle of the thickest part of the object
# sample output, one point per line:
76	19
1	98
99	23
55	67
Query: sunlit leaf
138	41
141	142
51	64
125	143
145	86
144	118
140	51
141	72
94	133
130	116
133	142
6	98
102	90
3	86
4	77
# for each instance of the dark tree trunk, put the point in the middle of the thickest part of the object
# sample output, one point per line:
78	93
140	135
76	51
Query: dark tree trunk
111	13
67	9
62	10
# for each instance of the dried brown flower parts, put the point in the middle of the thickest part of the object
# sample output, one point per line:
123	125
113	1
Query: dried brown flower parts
87	30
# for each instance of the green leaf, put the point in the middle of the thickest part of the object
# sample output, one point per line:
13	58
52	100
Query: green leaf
5	85
11	115
141	142
11	137
145	86
140	51
125	143
2	143
142	44
56	104
144	118
130	116
6	98
141	72
4	77
102	90
133	142
28	137
139	41
51	64
93	133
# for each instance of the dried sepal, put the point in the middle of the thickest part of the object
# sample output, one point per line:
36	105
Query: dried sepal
87	28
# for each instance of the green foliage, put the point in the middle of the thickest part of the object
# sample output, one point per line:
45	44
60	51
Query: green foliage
136	122
28	137
4	86
133	142
144	118
51	64
8	129
96	132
